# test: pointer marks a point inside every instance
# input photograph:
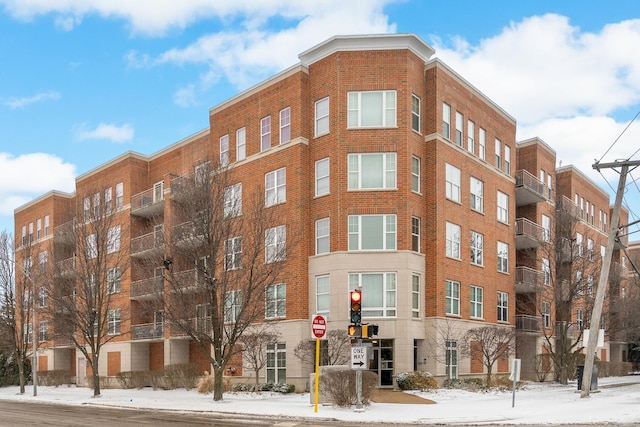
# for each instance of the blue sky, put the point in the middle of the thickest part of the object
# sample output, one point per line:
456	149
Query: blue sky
82	81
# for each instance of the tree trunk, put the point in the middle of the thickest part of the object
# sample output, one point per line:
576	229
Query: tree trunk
489	376
20	361
96	376
217	384
257	379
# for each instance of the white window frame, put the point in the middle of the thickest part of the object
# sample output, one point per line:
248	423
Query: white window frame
113	239
323	231
108	200
119	195
471	143
376	302
275	187
224	150
285	125
323	295
546	271
321	117
275	244
357	109
498	151
477	248
265	133
476	188
415	296
415	174
546	228
114	277
452	305
415	113
233	200
579	244
503	307
43	329
359	168
38	229
92	246
114	322
502	205
503	257
46	225
446	120
580	319
322	180
241	144
232	306
459	141
454	232
452	176
451	359
385	236
507	159
275	301
477	297
233	253
276	369
546	314
482	144
415	234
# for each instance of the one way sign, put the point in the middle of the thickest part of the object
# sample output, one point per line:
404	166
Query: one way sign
358	357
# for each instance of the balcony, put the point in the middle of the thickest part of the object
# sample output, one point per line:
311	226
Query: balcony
529	189
66	267
148	244
529	235
147	331
187	282
63	341
149	203
147	289
617	272
64	234
186	235
528	280
198	325
565	205
526	323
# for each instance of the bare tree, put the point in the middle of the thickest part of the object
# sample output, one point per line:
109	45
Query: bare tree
442	346
226	252
254	347
84	288
334	350
487	344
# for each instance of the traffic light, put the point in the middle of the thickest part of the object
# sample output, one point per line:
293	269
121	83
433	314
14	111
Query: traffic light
355	331
356	307
369	331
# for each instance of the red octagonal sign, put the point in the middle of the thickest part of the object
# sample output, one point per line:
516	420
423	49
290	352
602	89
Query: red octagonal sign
319	326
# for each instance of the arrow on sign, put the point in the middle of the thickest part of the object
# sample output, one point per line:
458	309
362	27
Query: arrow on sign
359	363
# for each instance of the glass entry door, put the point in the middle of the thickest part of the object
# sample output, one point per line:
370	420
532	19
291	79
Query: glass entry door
382	362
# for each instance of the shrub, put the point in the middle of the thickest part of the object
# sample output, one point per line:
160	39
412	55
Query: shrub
340	386
614	369
155	378
416	380
9	372
54	378
205	385
181	375
251	387
472	384
133	379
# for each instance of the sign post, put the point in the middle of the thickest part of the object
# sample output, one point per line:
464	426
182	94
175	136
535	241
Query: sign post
318	329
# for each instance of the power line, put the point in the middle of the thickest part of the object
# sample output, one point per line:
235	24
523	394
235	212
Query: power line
620	136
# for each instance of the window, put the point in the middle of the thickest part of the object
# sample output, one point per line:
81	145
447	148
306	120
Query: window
471	143
482	143
42	331
602	251
224	150
46	226
415	113
92	246
38	229
233	253
119	195
113	239
276	301
415	234
503	207
453	183
477	189
113	321
546	314
415	296
30	232
477	246
203	318
233	200
546	228
232	306
24	235
503	307
113	280
276	244
241	144
507	160
590	249
285	125
459	127
579	247
378	293
43	295
451	359
453	240
275	187
453	298
265	133
580	319
108	200
322	117
86	205
498	147
503	257
43	259
579	284
322	236
372	171
415	174
322	177
446	120
476	302
28	334
201	173
590	285
546	272
96	205
323	296
372	232
372	109
277	363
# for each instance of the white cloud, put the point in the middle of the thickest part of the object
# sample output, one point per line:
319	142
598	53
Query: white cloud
16	103
118	134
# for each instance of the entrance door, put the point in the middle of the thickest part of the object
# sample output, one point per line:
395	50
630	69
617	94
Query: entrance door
382	362
82	370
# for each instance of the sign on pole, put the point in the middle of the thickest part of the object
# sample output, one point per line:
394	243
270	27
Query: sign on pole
358	357
318	326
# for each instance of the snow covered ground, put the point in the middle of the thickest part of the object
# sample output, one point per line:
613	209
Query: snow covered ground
617	401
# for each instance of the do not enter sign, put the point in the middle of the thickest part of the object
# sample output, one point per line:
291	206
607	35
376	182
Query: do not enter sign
319	326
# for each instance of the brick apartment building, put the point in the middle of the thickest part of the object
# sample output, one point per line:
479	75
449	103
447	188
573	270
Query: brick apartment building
397	175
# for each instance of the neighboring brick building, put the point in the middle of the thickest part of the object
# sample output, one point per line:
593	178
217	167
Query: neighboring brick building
398	175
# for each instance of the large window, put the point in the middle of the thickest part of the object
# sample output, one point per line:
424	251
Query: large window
459	128
285	125
277	363
546	314
453	298
477	248
446	120
322	236
453	240
323	295
119	195
415	296
579	246
507	160
482	143
322	177
275	187
378	293
503	307
415	234
43	327
322	117
232	306
372	232
275	244
503	207
108	200
113	321
503	257
451	359
372	171
241	144
113	280
498	147
113	239
203	318
477	194
476	302
546	228
92	246
415	113
471	129
372	109
233	200
233	253
415	174
224	150
275	301
546	271
265	133
453	183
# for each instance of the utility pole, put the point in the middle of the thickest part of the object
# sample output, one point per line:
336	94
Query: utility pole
596	313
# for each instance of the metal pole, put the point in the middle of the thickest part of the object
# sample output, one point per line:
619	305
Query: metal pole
34	338
359	405
315	403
